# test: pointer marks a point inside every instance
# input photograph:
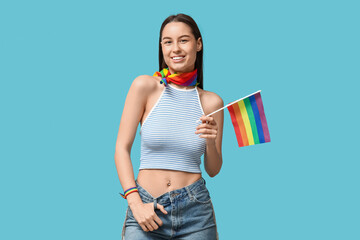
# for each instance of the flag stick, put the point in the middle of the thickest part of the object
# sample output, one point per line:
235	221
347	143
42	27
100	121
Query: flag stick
230	104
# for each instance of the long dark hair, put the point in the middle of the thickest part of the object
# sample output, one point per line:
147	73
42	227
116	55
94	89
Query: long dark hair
196	32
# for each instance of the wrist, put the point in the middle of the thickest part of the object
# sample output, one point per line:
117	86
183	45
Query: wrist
134	199
210	142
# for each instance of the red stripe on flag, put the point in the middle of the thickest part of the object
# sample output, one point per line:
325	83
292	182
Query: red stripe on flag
236	126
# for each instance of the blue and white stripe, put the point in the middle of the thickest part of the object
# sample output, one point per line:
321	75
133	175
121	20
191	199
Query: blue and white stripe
168	139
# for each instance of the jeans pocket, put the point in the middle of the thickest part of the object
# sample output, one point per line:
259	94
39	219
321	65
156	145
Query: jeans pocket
202	196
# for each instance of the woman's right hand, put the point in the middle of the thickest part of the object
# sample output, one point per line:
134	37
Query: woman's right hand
145	215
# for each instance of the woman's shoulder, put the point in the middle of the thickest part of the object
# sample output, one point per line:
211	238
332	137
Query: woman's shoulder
210	100
145	83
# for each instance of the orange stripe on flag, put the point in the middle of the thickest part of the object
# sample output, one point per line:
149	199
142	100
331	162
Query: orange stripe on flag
241	124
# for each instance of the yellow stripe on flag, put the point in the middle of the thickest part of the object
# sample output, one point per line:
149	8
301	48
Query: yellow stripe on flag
246	122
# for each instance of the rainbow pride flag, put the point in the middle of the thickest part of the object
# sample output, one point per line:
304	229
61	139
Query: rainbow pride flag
248	118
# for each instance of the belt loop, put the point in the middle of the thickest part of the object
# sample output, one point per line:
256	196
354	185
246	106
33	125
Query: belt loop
189	193
155	203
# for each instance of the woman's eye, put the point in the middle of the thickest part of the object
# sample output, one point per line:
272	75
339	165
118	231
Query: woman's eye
170	42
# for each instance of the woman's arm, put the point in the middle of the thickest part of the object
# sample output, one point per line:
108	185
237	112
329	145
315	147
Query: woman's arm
212	131
133	110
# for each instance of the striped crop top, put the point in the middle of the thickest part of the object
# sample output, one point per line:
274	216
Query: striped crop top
168	139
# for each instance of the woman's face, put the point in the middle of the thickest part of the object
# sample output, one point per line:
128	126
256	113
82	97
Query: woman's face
179	47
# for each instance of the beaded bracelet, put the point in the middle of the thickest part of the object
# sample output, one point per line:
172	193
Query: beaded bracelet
129	191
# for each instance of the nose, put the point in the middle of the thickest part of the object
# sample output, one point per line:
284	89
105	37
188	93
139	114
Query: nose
176	47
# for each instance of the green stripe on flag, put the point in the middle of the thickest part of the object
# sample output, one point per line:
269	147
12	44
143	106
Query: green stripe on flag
252	120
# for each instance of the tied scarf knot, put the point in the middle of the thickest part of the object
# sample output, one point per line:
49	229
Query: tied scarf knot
183	79
163	81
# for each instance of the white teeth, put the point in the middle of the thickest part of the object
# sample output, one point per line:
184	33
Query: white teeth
176	58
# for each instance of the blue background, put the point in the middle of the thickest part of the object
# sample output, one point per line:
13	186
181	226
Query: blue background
66	67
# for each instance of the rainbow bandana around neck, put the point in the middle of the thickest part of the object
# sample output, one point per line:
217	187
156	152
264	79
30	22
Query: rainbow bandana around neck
183	79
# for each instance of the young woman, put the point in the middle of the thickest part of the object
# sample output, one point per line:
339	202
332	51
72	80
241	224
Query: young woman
169	199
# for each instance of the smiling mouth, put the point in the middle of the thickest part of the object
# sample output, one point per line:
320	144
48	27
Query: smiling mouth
177	58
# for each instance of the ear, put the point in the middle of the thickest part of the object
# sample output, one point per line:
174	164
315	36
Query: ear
198	44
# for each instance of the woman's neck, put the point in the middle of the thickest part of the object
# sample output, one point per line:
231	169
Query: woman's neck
180	72
171	71
181	87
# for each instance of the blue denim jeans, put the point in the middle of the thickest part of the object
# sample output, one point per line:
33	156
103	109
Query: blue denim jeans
190	215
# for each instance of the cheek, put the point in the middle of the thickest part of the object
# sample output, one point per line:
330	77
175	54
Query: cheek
165	55
165	52
192	51
192	55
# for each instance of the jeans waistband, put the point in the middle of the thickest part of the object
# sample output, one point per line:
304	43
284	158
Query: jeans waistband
189	190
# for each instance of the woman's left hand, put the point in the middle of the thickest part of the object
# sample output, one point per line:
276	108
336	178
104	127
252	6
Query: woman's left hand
208	129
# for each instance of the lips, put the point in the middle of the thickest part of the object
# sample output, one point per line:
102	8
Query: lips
177	58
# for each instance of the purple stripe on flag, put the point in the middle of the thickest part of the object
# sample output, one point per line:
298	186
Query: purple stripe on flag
259	103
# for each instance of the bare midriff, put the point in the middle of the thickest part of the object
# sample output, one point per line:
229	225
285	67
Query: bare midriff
160	181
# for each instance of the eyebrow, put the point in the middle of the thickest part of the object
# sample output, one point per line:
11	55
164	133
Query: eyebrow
179	37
